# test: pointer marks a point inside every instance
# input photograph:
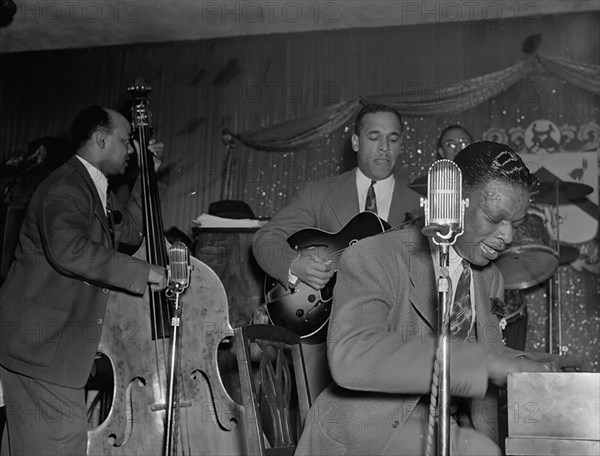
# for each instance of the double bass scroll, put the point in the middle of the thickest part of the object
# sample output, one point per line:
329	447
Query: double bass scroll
136	340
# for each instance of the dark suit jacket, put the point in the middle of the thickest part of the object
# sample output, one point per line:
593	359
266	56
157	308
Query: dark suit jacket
53	302
381	347
328	206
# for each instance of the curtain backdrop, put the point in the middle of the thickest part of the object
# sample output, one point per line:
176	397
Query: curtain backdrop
294	134
257	84
312	146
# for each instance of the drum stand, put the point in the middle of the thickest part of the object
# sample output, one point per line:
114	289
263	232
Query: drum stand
555	278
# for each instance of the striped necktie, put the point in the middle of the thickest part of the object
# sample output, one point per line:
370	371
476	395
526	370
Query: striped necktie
109	216
371	203
462	313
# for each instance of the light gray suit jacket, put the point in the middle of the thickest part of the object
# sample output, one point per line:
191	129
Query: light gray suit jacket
381	347
327	205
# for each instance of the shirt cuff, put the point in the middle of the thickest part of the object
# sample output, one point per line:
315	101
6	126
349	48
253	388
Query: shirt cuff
292	279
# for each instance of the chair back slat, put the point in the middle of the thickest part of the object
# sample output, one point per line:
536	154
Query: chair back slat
274	388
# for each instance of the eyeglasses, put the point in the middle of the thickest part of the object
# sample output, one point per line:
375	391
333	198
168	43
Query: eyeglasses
455	143
127	141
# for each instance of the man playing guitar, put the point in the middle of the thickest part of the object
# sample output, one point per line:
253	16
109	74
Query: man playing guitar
330	206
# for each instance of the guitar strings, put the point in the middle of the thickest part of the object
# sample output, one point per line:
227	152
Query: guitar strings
338	253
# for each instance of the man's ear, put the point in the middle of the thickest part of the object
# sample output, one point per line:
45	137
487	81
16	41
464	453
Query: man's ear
354	142
100	138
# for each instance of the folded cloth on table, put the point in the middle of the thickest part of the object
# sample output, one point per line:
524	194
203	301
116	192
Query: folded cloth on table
212	221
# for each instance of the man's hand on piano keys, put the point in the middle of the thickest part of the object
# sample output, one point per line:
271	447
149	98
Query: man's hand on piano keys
566	363
501	364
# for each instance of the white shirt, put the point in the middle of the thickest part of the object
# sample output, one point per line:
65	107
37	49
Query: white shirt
384	189
455	269
99	179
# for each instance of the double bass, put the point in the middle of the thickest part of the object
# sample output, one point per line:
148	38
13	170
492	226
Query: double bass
136	340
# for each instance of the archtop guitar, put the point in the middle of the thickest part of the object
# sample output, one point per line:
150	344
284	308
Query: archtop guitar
303	309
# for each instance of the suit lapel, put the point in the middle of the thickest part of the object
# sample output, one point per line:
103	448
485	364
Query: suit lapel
343	199
423	294
488	329
87	181
402	201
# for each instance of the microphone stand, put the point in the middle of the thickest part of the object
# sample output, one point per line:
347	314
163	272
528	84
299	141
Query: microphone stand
172	295
443	351
444	208
439	403
176	287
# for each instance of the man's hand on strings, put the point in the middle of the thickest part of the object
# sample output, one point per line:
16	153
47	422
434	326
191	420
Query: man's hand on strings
311	269
157	150
157	278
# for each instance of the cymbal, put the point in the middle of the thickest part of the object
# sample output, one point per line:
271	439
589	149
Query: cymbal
419	185
568	192
526	265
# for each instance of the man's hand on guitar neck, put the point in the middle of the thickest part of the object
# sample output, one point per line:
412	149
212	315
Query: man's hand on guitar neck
312	270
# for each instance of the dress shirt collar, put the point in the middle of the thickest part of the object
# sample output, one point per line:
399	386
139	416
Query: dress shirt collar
99	179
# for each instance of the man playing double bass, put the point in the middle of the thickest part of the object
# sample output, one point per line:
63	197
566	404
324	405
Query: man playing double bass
54	299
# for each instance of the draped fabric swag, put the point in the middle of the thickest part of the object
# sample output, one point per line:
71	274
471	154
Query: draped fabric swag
292	135
273	162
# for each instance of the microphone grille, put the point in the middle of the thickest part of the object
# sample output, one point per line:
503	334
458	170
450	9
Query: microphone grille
179	260
444	189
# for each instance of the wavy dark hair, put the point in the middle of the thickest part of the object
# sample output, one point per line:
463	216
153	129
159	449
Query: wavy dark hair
485	161
372	109
87	122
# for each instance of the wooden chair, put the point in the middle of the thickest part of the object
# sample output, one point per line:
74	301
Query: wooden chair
274	388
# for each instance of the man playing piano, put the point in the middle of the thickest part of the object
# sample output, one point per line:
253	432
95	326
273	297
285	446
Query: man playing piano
381	338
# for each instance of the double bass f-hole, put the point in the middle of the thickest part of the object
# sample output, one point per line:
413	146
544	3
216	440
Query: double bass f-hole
167	396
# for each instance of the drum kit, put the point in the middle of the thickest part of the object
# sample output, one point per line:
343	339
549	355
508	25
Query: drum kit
533	256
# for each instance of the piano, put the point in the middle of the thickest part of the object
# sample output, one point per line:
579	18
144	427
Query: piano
553	413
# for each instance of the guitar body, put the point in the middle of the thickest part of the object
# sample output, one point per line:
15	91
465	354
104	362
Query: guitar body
303	309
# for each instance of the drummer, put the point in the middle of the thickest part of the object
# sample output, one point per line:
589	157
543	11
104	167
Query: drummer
453	139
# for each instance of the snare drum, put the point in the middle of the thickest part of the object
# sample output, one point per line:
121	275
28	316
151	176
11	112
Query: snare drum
530	259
